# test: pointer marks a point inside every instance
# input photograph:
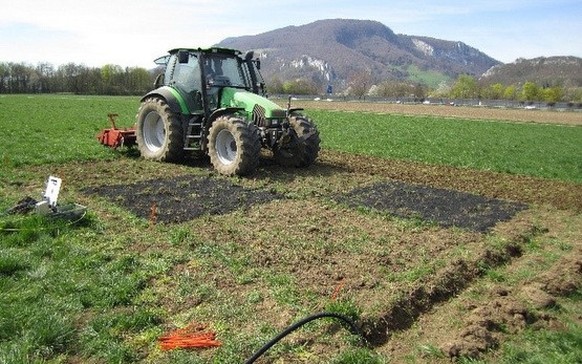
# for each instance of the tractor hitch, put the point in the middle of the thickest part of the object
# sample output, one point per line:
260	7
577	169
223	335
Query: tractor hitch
114	137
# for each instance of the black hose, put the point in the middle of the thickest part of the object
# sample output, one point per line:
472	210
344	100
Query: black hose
352	327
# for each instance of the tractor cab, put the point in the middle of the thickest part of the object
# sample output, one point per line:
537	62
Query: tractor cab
195	72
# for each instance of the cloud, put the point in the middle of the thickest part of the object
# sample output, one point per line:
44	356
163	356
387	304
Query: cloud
134	32
107	31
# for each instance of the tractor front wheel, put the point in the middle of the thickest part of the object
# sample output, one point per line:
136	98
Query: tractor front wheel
159	131
303	151
234	146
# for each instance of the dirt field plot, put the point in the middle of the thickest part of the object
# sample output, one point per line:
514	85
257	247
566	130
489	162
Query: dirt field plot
447	208
183	198
400	273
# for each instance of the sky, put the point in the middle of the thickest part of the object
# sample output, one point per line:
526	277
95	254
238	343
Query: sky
132	33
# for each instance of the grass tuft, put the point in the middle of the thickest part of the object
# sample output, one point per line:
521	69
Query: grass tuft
359	356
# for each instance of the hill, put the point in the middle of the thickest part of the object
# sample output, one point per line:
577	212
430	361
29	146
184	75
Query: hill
544	71
332	51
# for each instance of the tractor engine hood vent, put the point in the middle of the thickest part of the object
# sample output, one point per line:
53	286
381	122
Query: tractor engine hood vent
259	115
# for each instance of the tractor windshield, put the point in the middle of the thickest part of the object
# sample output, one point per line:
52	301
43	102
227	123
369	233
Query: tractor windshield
224	70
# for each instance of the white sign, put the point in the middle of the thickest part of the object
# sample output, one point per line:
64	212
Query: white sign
53	187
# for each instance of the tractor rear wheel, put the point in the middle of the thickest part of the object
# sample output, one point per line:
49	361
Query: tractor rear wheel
234	146
159	131
303	151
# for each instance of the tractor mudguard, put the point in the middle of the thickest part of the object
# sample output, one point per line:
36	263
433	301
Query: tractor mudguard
224	111
172	97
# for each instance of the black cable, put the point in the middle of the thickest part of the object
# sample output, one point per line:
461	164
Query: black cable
352	327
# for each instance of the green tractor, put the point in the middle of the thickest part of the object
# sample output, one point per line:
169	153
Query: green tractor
210	101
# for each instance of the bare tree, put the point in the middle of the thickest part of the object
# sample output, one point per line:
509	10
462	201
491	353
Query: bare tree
45	72
359	83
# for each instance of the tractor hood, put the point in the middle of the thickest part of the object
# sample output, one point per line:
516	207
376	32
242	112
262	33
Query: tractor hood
233	97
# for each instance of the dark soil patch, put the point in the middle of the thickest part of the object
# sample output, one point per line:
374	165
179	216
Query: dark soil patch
182	198
443	206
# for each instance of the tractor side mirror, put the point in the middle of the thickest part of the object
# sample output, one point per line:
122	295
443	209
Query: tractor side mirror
249	55
183	56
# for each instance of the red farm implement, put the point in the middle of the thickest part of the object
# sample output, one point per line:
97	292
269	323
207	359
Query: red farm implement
114	137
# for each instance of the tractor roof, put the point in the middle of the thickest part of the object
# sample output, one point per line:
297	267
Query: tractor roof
207	50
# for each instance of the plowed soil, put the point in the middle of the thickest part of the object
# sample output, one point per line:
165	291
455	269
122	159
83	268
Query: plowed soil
413	246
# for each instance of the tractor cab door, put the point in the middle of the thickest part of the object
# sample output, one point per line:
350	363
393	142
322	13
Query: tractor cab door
222	70
186	78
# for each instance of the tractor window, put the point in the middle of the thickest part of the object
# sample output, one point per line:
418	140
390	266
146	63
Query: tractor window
253	78
225	69
170	68
187	75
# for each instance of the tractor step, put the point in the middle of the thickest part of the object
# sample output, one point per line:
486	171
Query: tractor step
193	136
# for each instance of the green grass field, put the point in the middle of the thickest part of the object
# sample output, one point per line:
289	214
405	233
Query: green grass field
55	129
547	151
58	128
103	290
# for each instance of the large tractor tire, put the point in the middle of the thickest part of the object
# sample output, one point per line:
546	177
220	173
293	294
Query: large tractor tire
303	151
159	131
234	146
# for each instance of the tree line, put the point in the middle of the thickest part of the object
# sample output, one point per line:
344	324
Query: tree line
362	84
468	87
115	80
19	78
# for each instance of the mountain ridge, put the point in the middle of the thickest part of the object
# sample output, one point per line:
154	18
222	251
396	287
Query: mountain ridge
332	50
545	71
